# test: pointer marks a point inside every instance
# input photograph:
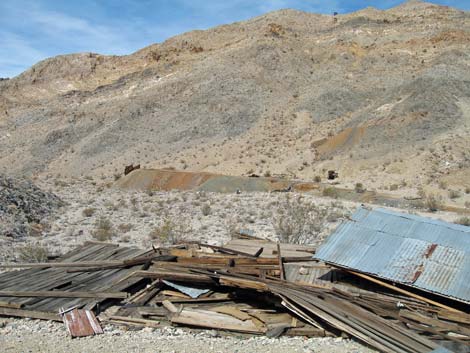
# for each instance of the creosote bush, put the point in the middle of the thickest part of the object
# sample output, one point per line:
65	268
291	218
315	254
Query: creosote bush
330	191
300	221
33	253
454	194
170	232
465	221
433	202
206	209
359	188
104	229
88	212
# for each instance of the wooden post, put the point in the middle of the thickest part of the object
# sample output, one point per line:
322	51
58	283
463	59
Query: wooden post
279	257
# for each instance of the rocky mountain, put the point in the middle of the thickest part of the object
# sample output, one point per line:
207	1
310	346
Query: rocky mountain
381	96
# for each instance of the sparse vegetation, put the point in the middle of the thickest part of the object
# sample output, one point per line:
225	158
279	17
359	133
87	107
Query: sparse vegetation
104	229
33	253
206	209
330	191
299	221
442	185
432	202
170	232
465	221
88	212
125	227
359	188
454	194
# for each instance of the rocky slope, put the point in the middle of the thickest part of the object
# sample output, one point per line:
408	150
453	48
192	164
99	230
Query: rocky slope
24	208
381	96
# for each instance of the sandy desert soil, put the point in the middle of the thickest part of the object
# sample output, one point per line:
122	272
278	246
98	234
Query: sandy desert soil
45	337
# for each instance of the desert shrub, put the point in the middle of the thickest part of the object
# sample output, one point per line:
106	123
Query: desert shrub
298	221
432	202
442	185
393	187
233	228
88	212
467	190
125	227
104	229
317	179
206	209
33	253
465	221
454	194
170	232
359	188
330	192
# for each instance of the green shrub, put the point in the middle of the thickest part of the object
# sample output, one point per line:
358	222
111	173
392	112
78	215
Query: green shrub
104	229
465	221
359	188
454	194
432	202
33	253
88	212
206	209
170	232
330	192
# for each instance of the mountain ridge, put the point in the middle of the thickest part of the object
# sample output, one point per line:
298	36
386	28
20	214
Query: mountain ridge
373	94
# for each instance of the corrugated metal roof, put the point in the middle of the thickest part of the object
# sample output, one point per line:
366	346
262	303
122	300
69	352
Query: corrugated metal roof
428	254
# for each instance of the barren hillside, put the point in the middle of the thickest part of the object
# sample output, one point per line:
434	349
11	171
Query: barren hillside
381	96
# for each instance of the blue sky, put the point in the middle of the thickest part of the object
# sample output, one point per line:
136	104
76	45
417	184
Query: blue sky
32	30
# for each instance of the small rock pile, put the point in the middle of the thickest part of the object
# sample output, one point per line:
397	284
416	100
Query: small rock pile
24	207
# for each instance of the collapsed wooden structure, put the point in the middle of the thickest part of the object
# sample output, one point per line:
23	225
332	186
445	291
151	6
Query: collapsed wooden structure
248	286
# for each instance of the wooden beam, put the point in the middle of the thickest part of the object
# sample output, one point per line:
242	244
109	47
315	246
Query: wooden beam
12	305
134	321
279	258
402	291
64	294
63	264
30	314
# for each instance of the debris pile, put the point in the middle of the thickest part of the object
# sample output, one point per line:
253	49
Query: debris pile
23	206
248	286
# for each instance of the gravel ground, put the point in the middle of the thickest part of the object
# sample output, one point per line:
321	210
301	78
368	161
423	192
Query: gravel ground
40	336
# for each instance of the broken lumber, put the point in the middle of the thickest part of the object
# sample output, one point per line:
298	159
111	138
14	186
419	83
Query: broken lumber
64	294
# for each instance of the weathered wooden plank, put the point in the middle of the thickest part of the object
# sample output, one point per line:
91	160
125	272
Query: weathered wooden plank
134	321
210	319
30	314
64	294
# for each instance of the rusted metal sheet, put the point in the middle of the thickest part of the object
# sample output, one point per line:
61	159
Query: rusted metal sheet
81	323
424	253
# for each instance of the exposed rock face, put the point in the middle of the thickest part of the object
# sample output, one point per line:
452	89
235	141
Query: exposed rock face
24	207
289	92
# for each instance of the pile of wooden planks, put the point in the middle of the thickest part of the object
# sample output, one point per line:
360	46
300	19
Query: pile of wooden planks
248	286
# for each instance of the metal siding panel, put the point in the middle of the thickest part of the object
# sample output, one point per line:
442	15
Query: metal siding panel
378	255
348	244
460	287
441	270
398	227
428	254
406	261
